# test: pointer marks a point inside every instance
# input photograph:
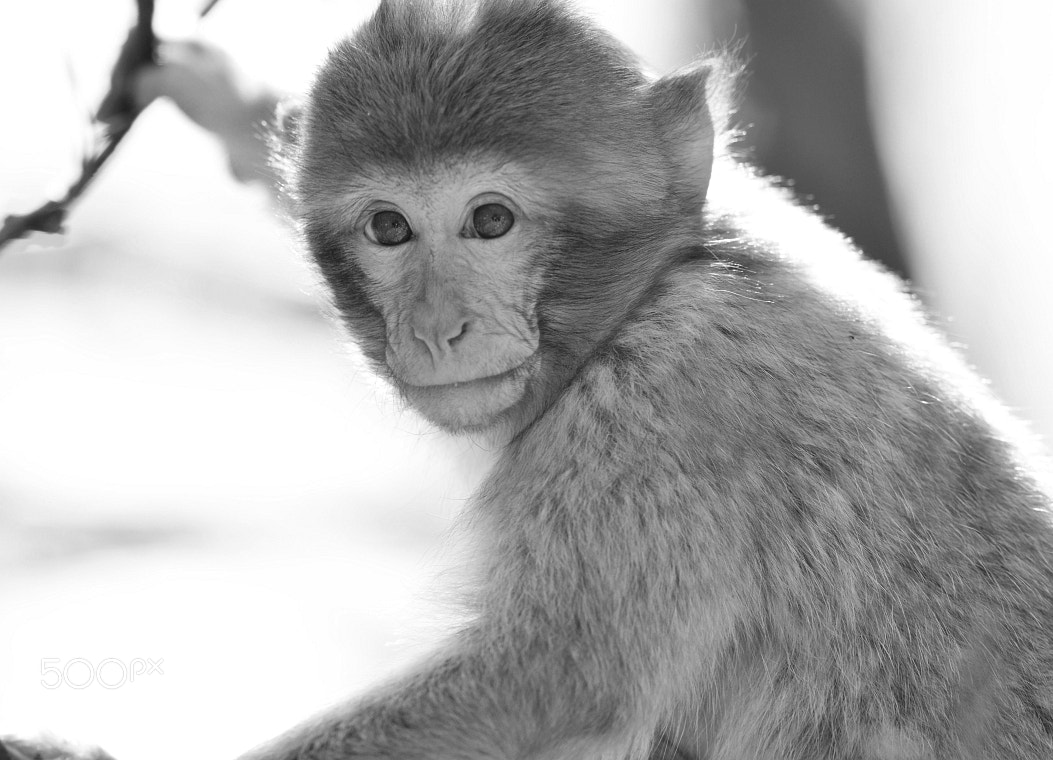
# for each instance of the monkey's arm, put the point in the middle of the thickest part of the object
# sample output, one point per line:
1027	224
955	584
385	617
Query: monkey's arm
594	608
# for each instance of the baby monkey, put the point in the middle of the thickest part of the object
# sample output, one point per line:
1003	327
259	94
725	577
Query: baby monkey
748	505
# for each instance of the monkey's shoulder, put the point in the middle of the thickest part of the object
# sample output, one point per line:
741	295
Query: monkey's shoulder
784	309
789	374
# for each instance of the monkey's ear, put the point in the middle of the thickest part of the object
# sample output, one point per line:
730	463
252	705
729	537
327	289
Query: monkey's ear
681	104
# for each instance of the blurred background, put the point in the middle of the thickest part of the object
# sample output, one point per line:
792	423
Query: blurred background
212	520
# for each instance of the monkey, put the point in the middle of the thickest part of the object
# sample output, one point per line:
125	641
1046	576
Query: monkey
748	503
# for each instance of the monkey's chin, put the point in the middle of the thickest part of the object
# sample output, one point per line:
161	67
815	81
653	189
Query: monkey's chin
471	406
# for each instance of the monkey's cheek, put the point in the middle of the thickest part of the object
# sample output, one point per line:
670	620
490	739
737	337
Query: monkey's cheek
472	405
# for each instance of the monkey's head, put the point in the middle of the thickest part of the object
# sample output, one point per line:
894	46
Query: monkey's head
489	190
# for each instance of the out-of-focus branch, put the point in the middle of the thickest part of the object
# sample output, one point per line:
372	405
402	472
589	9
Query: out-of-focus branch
50	216
48	748
116	114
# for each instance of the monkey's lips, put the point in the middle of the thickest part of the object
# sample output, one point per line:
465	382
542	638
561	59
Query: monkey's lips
471	404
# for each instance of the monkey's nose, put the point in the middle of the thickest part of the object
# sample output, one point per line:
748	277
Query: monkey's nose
440	336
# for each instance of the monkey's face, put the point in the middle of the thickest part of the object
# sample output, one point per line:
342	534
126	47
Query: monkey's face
447	259
488	207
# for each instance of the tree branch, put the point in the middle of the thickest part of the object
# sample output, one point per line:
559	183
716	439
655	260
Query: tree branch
116	113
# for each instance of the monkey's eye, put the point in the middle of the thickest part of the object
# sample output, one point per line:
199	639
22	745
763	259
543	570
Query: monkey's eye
492	220
388	228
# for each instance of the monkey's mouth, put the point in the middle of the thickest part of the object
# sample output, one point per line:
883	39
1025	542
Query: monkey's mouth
471	403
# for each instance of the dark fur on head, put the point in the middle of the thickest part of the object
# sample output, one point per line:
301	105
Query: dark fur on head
422	83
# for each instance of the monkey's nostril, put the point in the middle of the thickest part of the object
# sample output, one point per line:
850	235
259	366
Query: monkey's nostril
461	332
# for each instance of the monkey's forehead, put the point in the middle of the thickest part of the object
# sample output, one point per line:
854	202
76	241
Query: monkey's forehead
345	197
530	78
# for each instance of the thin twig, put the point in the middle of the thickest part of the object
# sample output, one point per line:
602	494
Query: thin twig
116	112
208	8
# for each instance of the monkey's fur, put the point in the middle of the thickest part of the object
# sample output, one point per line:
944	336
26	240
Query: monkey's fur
750	505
